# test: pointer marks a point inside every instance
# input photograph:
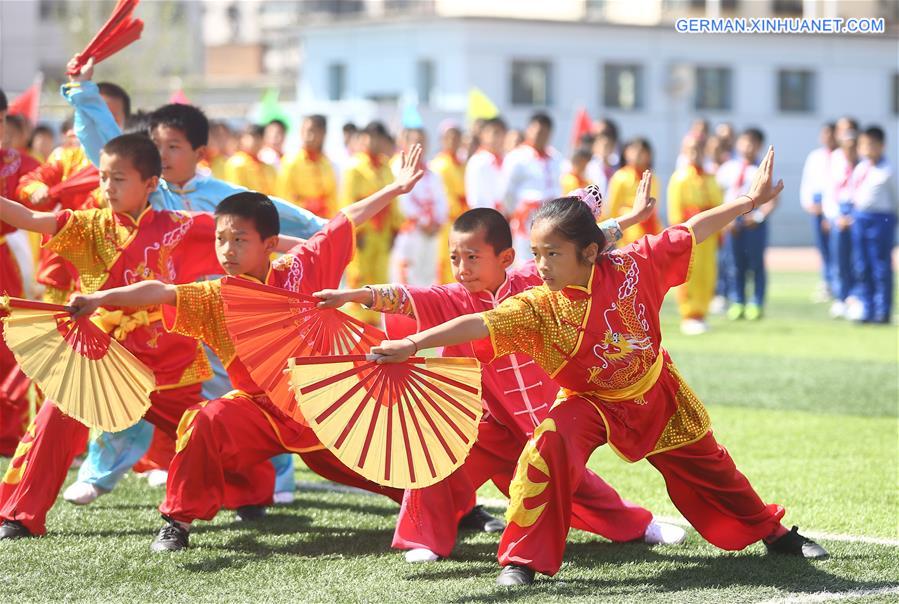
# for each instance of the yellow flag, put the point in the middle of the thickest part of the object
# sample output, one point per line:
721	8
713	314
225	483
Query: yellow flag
480	106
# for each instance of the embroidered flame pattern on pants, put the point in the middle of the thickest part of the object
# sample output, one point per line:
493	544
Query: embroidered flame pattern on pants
522	487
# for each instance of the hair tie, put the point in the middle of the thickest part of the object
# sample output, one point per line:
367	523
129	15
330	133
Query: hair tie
591	196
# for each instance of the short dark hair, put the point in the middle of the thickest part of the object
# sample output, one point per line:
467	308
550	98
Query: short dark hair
495	122
376	128
350	128
190	120
254	129
4	104
252	206
755	134
17	122
321	122
278	122
542	118
40	129
607	126
582	153
117	92
140	150
138	122
876	133
67	124
572	220
641	142
496	228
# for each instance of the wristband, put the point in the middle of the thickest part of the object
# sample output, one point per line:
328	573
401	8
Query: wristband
413	343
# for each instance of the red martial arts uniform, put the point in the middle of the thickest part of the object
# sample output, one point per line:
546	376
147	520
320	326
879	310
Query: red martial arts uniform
112	250
13	413
57	275
223	445
517	394
602	345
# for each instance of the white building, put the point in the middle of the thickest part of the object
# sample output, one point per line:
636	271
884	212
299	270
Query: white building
650	79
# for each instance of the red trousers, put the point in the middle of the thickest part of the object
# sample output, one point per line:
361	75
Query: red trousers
701	477
13	413
38	468
221	459
429	517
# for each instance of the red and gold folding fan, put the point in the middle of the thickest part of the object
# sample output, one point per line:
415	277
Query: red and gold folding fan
89	375
119	31
405	425
83	181
269	325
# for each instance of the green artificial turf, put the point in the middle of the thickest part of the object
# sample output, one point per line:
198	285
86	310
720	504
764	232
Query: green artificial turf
807	406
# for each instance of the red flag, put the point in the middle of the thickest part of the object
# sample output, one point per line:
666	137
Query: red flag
119	31
582	125
179	98
28	102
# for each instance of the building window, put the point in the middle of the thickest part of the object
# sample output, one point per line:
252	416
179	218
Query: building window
787	8
623	86
531	83
795	90
896	93
336	81
713	88
424	81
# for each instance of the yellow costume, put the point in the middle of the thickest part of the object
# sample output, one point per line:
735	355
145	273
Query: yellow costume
215	163
622	190
365	176
571	182
244	170
307	179
452	172
690	192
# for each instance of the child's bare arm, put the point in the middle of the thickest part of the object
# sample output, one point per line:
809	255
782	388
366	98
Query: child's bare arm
17	215
144	293
708	223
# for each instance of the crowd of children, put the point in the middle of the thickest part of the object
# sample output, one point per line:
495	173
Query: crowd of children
551	271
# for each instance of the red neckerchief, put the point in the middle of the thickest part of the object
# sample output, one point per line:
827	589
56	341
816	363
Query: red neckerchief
374	159
312	155
497	159
541	154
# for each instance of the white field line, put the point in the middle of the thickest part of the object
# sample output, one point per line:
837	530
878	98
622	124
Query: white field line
830	596
502	504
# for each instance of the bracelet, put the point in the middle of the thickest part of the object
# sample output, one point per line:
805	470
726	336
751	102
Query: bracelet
751	202
413	343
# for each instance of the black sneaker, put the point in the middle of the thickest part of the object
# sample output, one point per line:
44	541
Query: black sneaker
171	538
250	513
13	529
479	519
513	575
794	544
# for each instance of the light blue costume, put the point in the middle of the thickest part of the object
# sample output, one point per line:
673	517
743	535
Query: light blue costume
111	455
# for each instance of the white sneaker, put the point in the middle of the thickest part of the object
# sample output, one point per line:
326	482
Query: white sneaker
837	310
82	493
421	554
693	327
855	310
718	305
283	497
157	478
660	533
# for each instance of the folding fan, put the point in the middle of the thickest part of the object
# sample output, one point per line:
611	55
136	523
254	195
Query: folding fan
89	375
404	425
269	325
119	31
83	181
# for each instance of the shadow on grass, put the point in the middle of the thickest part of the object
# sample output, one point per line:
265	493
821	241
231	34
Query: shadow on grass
681	573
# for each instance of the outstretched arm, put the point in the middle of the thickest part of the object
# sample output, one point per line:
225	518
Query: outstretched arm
17	215
144	293
460	330
705	224
409	174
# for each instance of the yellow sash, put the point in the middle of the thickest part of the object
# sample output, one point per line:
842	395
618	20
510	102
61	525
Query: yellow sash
629	393
119	324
